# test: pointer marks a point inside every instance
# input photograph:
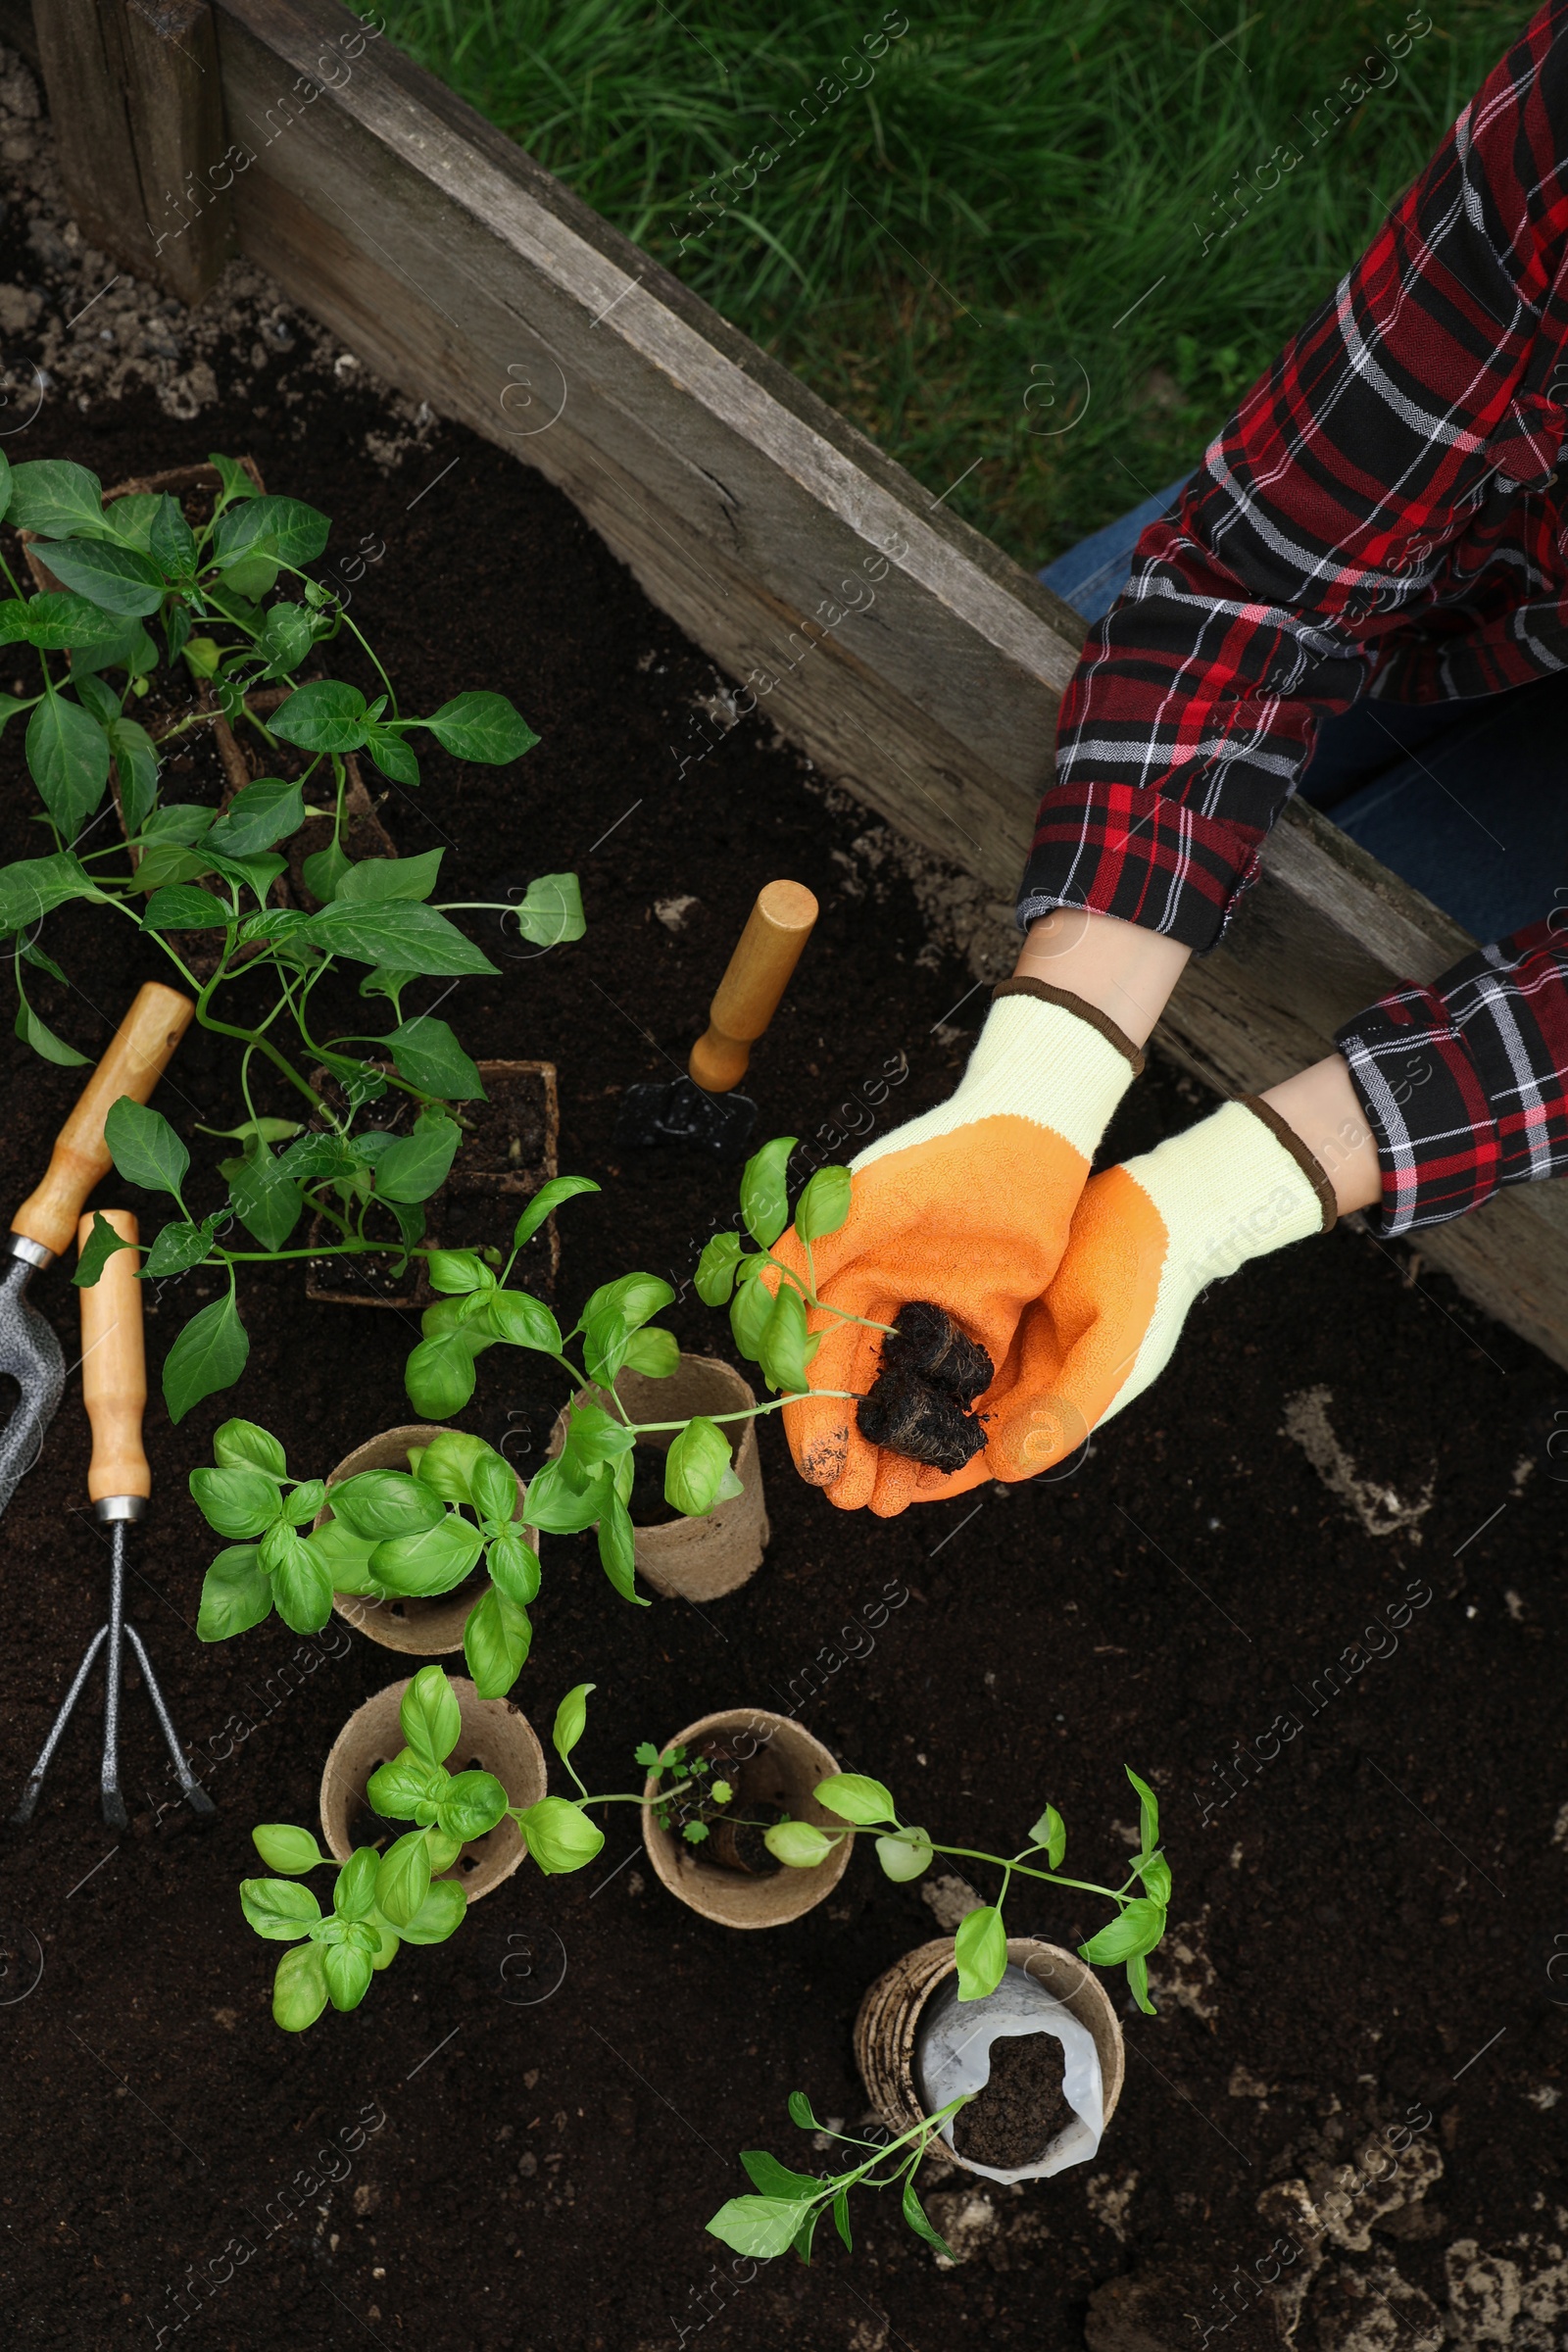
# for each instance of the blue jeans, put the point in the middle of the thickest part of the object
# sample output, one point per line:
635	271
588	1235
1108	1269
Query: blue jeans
1467	801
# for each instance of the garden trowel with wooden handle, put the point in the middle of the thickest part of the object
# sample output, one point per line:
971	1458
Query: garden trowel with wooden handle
46	1222
701	1111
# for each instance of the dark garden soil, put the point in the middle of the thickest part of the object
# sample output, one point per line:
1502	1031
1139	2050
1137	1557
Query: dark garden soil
1022	2107
516	2140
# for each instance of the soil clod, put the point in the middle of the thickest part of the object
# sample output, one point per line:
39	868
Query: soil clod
920	1404
1014	2119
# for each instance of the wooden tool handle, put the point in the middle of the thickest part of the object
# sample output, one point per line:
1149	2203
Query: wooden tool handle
114	1366
137	1058
776	930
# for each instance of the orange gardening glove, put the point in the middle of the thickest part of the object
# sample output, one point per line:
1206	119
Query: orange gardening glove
969	1206
1148	1239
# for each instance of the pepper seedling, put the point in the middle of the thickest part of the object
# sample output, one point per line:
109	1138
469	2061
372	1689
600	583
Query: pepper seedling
386	1898
788	2206
981	1944
137	565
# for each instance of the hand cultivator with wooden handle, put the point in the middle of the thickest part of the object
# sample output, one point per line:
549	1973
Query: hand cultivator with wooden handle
114	1389
43	1226
700	1109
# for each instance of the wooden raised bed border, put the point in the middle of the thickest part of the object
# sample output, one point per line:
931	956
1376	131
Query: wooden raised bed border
748	509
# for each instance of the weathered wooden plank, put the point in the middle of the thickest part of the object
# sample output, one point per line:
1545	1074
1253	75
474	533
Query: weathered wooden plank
136	105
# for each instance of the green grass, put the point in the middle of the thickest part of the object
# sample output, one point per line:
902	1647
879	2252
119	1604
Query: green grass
981	217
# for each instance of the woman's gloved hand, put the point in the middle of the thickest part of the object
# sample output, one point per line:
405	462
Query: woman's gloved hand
1149	1236
969	1206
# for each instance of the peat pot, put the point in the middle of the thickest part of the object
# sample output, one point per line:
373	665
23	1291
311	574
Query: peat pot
497	1738
781	1764
694	1559
900	2038
419	1629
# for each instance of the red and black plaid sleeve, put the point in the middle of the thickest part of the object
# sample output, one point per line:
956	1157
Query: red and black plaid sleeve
1465	1083
1378	518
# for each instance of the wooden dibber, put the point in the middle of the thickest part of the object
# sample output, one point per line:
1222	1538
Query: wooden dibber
138	1056
759	972
114	1367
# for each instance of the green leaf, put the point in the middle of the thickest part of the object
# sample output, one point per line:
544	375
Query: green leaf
286	638
288	1851
473	1803
717	1269
144	1147
571	1719
102	1243
263	813
35	886
236	1594
135	758
413	938
455	1273
268	1204
617	1548
798	1844
354	1895
324	869
299	1988
117	579
496	1640
653	1353
447	1464
550	912
906	1855
208	1354
750	1312
57	620
915	2214
560	1836
380	881
435	1560
413	1166
236	481
783	1349
775	2180
345	1556
481	726
800	2114
348	1973
841	2218
1138	1983
171	541
385	1504
277	1909
432	1719
68	759
397	1788
38	1034
180	906
427	1054
245	1444
56	499
240	1503
284	528
391	753
1148	1812
305	1501
1155	1875
439	1375
1138	1929
823	1205
514	1567
764	1194
403	1878
558	1507
981	1951
439	1916
523	1321
326	717
494	1485
694	1467
759	2228
854	1796
302	1585
1051	1832
548	1197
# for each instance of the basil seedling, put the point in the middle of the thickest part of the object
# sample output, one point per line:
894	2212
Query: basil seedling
785	2212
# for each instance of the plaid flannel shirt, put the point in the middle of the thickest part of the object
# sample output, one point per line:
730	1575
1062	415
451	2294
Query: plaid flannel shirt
1380	518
